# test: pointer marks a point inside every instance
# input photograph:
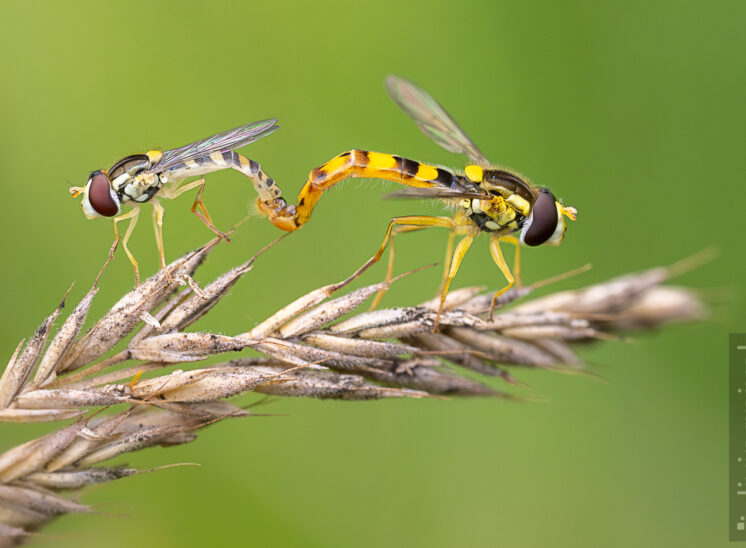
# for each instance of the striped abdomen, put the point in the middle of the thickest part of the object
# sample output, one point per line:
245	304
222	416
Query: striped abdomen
264	185
366	164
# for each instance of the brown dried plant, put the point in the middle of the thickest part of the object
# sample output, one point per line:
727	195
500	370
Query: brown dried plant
307	350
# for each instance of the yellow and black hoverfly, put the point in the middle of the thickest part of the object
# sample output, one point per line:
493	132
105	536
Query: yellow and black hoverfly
488	199
156	174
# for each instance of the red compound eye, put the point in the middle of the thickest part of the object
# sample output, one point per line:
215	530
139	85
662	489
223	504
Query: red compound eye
545	219
99	195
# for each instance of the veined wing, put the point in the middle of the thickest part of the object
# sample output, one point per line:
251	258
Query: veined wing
445	193
221	142
432	118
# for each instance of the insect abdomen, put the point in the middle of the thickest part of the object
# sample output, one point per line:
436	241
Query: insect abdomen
264	184
368	164
207	163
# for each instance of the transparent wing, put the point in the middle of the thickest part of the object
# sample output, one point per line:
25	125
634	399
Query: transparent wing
221	142
444	193
432	118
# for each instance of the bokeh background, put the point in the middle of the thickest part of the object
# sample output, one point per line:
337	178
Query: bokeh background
633	112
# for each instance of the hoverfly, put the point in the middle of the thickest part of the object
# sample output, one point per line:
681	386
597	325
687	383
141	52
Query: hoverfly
156	174
488	199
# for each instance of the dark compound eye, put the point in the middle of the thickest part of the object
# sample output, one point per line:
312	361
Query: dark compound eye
99	195
544	219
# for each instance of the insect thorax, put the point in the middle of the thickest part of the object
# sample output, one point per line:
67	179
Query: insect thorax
129	180
492	215
502	211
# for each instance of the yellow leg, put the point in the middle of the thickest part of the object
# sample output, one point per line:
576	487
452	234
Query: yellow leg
198	203
170	193
392	254
129	215
455	262
158	212
447	261
413	222
204	215
497	256
517	262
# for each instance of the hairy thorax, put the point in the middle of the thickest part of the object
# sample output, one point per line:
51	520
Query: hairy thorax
130	180
492	215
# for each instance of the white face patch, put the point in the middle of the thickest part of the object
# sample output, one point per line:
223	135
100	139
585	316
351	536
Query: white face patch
559	232
525	227
115	198
85	203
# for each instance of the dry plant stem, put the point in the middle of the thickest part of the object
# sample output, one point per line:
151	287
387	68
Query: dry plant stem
309	351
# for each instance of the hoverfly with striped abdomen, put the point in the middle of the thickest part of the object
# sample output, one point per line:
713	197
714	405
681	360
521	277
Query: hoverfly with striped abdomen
156	174
488	199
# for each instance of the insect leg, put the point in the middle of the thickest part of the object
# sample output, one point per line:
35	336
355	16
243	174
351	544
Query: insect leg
129	215
198	203
174	192
270	199
390	269
458	256
418	221
411	222
204	216
497	256
158	212
517	261
447	262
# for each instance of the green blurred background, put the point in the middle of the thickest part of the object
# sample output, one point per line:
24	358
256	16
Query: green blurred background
632	112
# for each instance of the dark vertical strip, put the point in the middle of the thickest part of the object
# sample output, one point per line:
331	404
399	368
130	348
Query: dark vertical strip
410	167
445	178
361	158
